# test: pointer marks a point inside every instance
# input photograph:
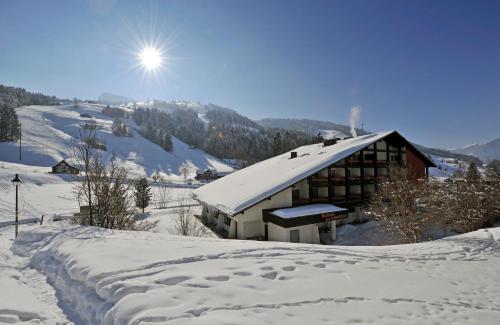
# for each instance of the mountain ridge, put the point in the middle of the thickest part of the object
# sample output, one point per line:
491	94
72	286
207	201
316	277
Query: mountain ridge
485	151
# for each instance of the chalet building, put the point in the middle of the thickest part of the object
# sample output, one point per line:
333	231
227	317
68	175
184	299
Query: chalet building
301	195
63	167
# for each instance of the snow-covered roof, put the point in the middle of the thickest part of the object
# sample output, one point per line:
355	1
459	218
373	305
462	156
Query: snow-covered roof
307	210
242	189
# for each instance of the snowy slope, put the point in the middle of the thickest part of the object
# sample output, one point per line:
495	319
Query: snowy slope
113	277
49	131
486	152
446	166
330	134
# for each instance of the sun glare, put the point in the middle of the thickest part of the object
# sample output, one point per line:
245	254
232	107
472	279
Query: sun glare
151	58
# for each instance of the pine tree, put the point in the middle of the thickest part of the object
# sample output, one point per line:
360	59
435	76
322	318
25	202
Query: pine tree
472	174
277	144
9	123
167	142
142	193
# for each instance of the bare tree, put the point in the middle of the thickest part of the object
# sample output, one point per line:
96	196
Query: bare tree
105	188
86	156
187	224
155	176
185	172
460	204
163	196
401	203
470	203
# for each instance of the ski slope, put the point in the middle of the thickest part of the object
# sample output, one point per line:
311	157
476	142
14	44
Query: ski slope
117	277
330	134
49	133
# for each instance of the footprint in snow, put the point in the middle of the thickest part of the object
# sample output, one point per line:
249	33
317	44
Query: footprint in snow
242	273
173	281
288	268
219	278
267	268
270	275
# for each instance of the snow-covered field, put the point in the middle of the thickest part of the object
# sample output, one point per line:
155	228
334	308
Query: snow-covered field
446	167
117	277
49	132
42	193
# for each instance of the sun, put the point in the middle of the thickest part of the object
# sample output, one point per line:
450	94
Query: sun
151	58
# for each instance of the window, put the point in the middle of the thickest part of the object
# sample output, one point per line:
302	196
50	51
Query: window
227	220
295	195
315	192
370	156
295	236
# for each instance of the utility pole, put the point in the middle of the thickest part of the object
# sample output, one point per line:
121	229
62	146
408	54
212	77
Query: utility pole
143	196
16	181
20	135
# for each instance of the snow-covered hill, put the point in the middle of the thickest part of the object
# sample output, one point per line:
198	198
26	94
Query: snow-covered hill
329	134
309	126
486	152
113	99
99	276
447	166
48	133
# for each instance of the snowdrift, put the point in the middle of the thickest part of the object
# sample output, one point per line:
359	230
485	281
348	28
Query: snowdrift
117	277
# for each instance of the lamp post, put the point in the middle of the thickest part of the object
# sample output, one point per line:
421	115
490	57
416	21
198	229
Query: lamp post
16	181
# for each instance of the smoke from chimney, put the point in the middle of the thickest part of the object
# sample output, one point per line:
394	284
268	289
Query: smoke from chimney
354	118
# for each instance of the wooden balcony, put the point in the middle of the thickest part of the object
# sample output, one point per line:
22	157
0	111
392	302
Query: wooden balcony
323	181
366	163
335	198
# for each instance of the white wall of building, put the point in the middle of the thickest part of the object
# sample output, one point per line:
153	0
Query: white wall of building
250	223
309	234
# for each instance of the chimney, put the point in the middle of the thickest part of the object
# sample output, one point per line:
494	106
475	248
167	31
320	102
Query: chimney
293	154
329	142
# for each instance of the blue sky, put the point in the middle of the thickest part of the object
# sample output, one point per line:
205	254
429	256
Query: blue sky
430	69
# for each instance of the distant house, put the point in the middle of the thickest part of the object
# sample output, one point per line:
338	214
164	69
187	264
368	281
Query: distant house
209	175
64	168
301	195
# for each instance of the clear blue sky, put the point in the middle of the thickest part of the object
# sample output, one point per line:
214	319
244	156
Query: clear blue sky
430	69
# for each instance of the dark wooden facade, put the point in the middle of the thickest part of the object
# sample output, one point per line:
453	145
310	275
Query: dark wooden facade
357	176
64	168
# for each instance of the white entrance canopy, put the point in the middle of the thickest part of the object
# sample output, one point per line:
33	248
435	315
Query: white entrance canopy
304	215
308	210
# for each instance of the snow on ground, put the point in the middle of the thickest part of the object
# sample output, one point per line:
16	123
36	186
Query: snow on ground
446	167
49	131
118	277
330	134
25	295
42	193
